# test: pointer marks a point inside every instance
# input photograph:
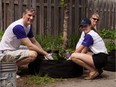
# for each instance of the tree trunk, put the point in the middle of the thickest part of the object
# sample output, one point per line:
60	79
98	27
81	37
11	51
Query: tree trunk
65	25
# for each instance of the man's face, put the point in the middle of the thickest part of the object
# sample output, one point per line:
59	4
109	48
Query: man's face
94	20
29	17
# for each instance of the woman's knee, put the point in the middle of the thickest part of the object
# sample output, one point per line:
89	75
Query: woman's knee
74	55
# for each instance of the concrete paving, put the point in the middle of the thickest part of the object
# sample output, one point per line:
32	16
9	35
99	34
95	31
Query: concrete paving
107	79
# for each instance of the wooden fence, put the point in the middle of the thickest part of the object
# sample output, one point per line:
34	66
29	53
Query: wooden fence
49	19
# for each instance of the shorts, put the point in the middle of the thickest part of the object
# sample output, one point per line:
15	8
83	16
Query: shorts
100	60
14	56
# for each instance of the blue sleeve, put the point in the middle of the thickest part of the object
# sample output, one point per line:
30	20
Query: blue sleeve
30	34
19	31
88	41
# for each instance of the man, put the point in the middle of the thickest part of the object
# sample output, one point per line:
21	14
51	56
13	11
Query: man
17	33
94	20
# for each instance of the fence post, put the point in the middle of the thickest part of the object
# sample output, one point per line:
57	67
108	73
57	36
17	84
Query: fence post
41	17
29	3
77	16
20	3
70	28
34	5
4	1
56	17
11	11
1	25
49	30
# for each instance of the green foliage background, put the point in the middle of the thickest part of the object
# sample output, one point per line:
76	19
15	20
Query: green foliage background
50	42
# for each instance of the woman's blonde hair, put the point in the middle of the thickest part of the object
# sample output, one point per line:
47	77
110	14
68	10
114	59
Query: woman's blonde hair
95	15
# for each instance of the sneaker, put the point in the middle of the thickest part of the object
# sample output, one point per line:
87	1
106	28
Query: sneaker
17	76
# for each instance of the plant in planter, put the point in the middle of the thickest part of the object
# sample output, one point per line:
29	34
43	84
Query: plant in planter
60	54
60	67
55	68
109	38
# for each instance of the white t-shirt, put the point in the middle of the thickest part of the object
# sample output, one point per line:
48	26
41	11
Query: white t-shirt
94	42
82	38
13	34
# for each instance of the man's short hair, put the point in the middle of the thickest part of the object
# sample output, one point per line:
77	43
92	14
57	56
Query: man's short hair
29	9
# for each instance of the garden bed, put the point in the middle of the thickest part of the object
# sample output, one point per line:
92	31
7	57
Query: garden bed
55	68
110	66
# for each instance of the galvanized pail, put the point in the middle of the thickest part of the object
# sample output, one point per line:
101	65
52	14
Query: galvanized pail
8	74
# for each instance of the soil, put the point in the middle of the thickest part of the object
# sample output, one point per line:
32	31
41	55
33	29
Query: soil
107	79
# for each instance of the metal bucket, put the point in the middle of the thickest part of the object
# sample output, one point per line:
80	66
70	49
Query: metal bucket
8	74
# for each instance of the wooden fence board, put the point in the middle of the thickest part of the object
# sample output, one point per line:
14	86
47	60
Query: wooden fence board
1	19
76	15
49	17
35	21
41	18
4	20
50	14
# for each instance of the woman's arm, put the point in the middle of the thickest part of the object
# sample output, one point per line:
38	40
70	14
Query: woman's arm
81	49
85	50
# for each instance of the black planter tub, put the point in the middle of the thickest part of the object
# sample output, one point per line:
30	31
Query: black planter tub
111	64
55	68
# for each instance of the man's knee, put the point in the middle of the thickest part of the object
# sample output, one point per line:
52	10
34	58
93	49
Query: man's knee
33	54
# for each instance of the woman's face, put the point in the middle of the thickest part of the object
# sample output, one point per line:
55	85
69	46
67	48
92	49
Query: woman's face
94	20
85	28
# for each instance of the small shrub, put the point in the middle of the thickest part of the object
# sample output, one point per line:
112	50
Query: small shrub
73	39
50	42
111	36
1	34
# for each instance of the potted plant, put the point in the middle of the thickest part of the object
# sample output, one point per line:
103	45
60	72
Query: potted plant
109	38
60	67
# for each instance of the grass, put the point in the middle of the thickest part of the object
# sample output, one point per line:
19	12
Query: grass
38	80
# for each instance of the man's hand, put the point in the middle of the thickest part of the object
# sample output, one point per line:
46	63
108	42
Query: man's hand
48	57
31	46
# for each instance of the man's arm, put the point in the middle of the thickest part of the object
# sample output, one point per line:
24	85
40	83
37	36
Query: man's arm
35	42
31	46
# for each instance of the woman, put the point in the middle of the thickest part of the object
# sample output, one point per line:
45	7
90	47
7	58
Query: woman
94	20
92	41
